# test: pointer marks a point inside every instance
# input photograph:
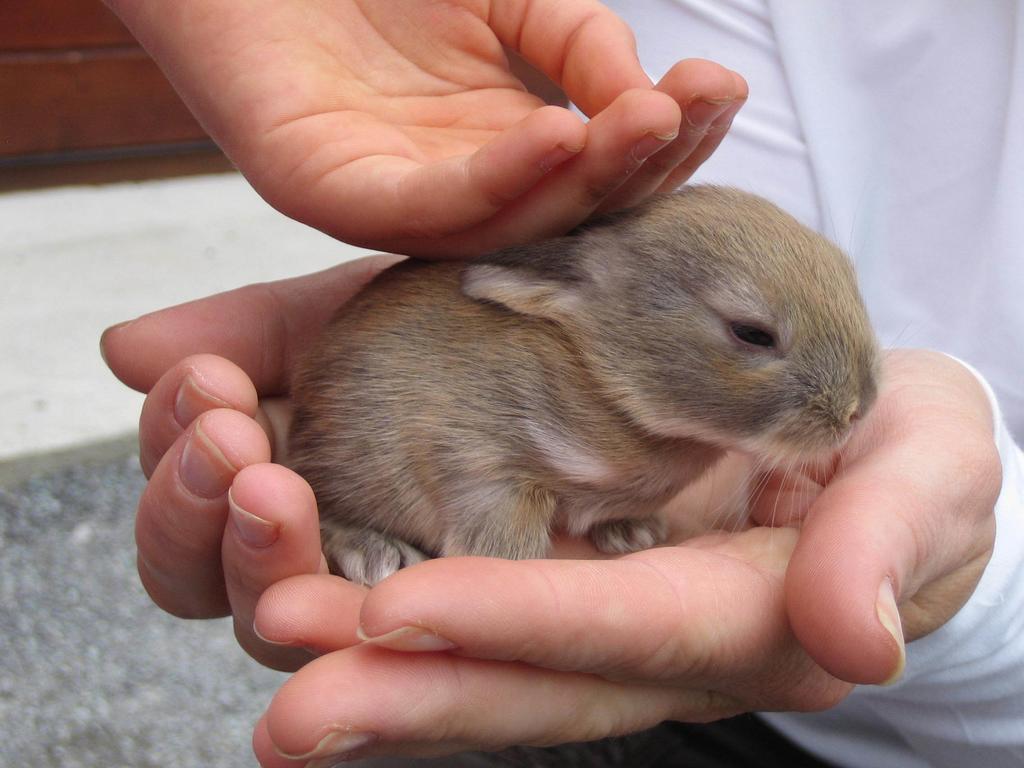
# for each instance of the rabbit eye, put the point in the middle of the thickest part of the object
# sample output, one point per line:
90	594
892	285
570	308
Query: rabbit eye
751	334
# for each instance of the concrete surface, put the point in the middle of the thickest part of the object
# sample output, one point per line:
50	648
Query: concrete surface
75	260
92	675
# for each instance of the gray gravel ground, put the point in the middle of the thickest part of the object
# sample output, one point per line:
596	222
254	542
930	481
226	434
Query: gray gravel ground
92	674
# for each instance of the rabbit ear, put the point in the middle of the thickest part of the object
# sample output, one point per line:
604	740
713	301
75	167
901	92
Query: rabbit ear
544	279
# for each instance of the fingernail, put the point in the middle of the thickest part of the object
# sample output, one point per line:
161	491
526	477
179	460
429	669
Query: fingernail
557	156
268	641
723	122
335	747
253	530
203	469
650	144
107	333
408	639
700	114
889	616
103	347
296	644
192	401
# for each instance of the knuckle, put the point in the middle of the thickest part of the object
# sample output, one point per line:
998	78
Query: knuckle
244	584
704	706
667	658
821	693
663	163
422	228
594	191
492	190
984	467
181	603
801	686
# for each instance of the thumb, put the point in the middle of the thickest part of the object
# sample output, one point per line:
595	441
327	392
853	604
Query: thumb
258	327
844	578
582	46
906	520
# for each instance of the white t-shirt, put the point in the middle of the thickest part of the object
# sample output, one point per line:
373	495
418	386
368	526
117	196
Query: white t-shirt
897	129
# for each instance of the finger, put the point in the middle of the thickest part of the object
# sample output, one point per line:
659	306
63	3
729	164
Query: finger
567	41
708	95
264	748
907	519
319	612
657	616
455	194
197	384
631	607
180	520
278	318
635	126
418	203
714	136
365	700
273	533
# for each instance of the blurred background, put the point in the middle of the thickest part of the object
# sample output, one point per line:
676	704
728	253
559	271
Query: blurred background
113	203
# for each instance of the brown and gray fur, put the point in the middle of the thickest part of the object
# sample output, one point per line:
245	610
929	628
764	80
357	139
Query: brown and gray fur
577	383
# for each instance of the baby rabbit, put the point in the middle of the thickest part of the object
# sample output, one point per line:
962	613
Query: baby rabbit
579	382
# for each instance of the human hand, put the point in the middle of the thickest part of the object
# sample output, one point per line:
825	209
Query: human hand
399	126
213	398
552	651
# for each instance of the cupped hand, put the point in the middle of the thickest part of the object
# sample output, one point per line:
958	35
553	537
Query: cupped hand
215	371
469	653
400	126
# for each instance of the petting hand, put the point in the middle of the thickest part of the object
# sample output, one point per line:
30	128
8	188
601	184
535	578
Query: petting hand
551	651
399	125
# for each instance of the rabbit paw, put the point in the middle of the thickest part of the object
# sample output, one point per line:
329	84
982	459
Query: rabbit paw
366	556
619	537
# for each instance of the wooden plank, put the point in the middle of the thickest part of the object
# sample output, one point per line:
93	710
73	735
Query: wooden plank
139	168
78	100
48	24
